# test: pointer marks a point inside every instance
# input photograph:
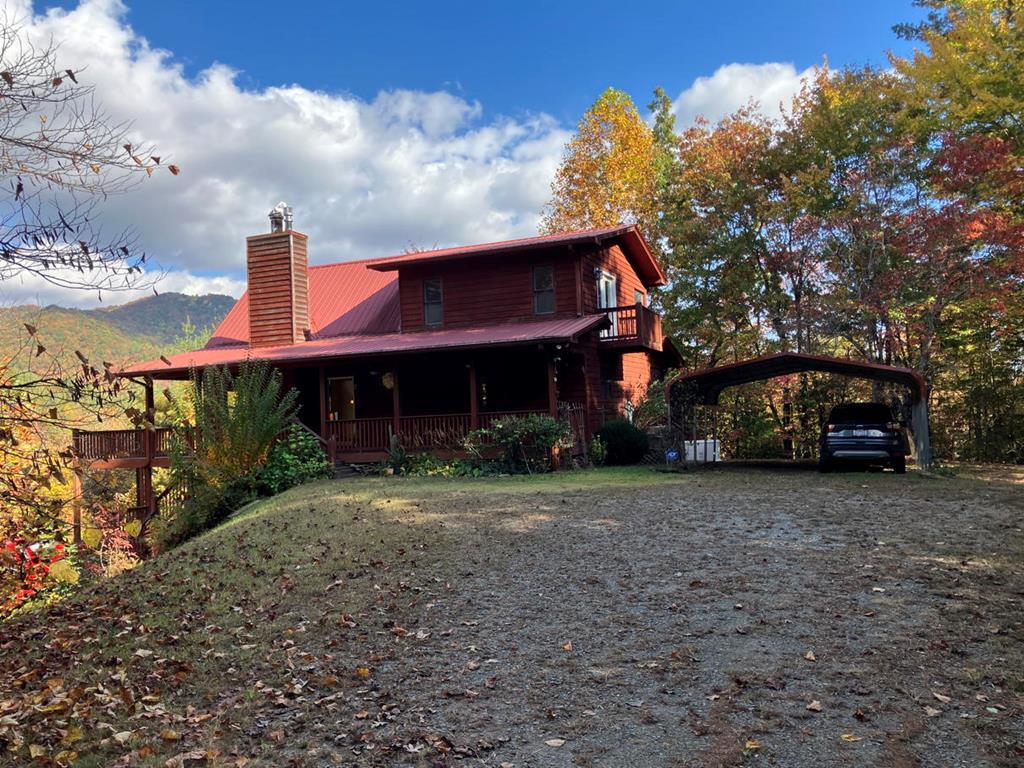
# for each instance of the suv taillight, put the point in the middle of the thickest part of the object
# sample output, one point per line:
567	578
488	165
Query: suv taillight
831	428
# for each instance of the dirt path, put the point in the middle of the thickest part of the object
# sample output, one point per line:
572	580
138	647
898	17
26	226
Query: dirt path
705	618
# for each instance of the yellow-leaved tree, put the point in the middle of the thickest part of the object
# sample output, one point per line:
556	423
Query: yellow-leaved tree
609	173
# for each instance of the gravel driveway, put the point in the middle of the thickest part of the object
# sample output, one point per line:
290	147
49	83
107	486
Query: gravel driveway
734	617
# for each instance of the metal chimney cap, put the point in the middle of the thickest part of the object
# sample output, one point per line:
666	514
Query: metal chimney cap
281	217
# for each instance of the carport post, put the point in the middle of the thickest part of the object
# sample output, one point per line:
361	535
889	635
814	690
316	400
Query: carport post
922	440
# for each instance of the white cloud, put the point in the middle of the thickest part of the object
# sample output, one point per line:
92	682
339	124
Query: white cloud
732	86
365	178
32	289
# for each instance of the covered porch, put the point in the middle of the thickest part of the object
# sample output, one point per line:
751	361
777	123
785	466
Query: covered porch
363	407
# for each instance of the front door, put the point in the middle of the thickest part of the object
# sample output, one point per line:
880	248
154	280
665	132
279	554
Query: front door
341	399
607	298
341	407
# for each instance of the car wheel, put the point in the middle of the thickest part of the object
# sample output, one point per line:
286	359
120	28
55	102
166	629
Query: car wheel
899	465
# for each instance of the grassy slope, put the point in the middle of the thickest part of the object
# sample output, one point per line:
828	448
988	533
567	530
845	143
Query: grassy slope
267	633
276	610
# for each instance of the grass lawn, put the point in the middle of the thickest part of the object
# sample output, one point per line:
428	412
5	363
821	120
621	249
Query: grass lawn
612	617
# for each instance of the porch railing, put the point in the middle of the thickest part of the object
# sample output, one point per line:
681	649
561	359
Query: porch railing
417	433
634	323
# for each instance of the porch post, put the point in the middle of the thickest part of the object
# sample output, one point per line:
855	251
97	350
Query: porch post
329	439
552	388
150	445
474	409
396	404
76	504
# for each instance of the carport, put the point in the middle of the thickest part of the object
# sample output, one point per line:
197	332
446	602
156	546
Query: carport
689	391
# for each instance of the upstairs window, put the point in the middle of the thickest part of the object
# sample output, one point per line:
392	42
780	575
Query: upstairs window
639	297
433	302
543	290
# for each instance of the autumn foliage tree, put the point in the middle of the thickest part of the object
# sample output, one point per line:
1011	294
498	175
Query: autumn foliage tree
60	156
882	217
609	171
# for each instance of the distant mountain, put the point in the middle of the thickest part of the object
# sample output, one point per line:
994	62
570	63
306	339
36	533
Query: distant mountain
140	330
161	317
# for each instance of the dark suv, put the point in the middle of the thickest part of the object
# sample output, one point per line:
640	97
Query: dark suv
865	433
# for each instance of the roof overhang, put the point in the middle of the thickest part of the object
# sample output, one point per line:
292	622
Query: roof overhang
629	237
350	347
706	384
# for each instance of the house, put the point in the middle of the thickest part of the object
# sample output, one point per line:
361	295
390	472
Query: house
431	345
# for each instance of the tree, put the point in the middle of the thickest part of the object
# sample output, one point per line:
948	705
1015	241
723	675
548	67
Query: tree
609	173
60	155
967	86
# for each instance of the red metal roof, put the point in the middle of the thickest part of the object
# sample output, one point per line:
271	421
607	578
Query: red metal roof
344	299
390	343
633	242
707	383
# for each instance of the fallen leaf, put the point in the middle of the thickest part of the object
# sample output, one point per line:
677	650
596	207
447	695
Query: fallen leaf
277	736
36	750
170	735
567	646
810	656
850	737
940	697
363	672
932	711
814	706
753	744
555	742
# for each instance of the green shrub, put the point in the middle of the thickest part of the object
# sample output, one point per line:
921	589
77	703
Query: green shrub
526	441
652	410
428	465
597	451
238	418
626	443
206	507
293	460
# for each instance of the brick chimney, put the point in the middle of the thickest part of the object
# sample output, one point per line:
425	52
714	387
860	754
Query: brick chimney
278	283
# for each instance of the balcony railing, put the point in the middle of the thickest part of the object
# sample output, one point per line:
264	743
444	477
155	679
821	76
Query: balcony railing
633	326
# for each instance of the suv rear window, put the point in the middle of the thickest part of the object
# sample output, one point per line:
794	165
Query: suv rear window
860	413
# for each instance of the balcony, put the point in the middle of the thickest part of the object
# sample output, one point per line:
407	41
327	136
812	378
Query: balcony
633	327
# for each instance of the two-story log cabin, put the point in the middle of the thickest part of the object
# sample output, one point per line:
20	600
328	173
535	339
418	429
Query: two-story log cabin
433	344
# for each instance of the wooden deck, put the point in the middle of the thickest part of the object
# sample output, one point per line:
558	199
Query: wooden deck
122	448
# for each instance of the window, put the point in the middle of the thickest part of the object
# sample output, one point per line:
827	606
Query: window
639	297
543	290
433	313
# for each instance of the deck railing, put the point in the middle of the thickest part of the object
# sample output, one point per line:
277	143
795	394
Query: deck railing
106	444
634	323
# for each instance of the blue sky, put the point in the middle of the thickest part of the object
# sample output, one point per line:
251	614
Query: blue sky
393	124
514	57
